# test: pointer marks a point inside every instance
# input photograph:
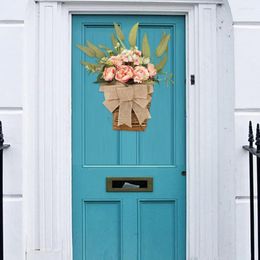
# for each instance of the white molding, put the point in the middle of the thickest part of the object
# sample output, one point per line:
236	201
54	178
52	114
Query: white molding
113	2
46	122
43	255
50	124
54	129
208	133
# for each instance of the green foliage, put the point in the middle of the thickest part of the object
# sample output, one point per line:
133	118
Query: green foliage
102	46
100	78
98	53
114	41
163	45
167	78
119	32
87	50
102	53
91	67
133	35
108	50
161	64
146	47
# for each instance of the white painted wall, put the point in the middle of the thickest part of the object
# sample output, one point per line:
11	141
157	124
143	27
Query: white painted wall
246	17
12	15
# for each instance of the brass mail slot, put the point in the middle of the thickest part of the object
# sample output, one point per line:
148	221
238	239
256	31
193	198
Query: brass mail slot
128	184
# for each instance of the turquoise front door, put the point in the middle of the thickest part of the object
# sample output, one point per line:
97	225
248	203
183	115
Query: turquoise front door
128	225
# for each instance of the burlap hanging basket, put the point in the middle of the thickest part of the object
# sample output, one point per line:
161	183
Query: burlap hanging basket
130	105
136	126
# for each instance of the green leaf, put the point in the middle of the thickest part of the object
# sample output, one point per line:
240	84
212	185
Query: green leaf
119	32
163	45
101	46
146	47
90	66
87	50
132	35
98	53
98	81
108	50
161	64
114	40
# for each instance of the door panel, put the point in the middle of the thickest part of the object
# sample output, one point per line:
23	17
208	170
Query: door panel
102	230
128	225
157	221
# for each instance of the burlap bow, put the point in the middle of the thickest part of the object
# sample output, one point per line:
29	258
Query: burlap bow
134	97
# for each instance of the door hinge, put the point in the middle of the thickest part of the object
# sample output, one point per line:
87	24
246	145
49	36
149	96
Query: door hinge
192	79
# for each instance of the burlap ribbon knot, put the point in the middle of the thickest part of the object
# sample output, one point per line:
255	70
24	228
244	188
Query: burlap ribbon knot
134	97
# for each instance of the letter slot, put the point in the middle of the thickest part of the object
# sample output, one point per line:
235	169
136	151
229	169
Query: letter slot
128	184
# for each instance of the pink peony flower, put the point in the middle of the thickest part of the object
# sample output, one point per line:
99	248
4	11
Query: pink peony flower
109	73
136	61
152	70
140	74
116	60
137	52
127	58
124	73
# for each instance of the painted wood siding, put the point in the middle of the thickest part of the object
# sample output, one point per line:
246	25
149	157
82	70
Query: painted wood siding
11	113
246	17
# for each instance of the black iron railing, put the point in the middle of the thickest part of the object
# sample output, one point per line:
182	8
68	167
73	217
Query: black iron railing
254	152
2	147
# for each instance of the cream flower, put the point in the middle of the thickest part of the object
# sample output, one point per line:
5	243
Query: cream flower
146	60
115	60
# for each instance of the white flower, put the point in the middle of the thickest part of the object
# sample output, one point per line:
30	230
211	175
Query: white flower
146	60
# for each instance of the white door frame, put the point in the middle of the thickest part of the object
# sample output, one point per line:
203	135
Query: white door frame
48	211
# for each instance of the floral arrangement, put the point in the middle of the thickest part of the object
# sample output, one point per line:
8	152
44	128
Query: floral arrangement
126	76
129	67
126	65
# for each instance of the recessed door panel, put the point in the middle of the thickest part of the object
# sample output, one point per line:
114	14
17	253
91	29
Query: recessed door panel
157	229
102	230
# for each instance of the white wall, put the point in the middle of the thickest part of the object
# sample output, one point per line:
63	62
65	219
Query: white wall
11	113
246	16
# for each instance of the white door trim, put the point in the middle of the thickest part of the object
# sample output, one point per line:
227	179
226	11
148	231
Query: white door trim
116	2
48	213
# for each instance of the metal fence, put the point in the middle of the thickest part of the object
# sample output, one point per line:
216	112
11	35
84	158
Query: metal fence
254	154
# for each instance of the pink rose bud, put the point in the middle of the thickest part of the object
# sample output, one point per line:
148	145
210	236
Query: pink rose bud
124	73
140	74
109	73
152	70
